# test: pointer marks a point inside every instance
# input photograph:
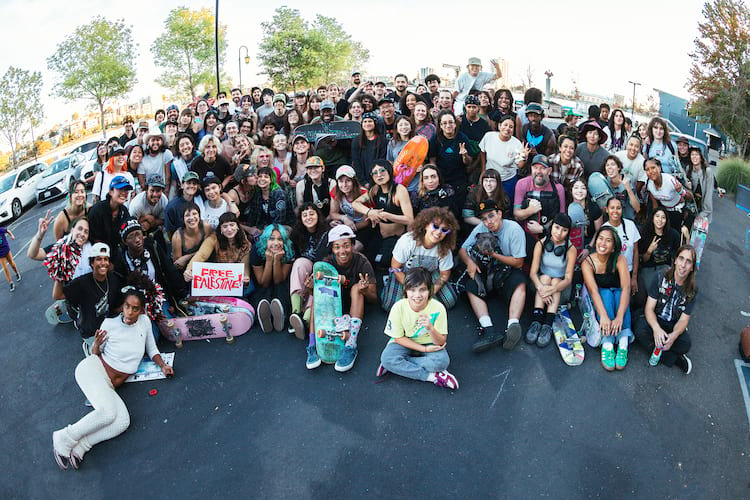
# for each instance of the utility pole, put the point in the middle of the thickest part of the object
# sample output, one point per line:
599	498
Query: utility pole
632	111
548	89
216	45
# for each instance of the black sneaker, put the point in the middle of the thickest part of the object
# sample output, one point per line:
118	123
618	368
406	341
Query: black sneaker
488	338
684	363
512	336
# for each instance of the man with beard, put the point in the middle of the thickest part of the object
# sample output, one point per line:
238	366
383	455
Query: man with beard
148	206
538	200
538	137
356	81
432	82
400	82
156	159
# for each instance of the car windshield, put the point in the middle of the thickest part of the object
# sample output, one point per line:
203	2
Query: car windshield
7	183
57	167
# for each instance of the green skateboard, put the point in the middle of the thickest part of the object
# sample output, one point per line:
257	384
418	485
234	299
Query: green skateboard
327	307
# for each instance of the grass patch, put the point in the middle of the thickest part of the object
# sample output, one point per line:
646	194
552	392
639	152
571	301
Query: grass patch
731	172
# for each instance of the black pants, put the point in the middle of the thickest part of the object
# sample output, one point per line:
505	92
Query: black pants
275	291
644	335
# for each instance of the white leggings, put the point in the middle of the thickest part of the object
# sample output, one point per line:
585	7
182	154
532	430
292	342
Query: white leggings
110	416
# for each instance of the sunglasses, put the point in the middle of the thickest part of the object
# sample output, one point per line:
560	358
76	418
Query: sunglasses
443	230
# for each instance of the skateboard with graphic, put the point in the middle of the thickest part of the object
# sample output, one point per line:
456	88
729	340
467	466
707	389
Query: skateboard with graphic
567	339
206	326
409	160
599	189
698	237
327	307
195	306
345	129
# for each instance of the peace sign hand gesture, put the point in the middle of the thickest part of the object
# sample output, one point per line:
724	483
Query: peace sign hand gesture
44	224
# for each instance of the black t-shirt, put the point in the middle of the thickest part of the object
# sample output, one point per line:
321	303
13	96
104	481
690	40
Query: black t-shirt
671	301
665	251
93	300
220	167
474	130
103	227
594	213
448	160
359	265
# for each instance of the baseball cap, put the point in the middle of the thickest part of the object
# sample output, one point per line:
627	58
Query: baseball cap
314	161
533	107
223	101
191	176
299	136
243	172
279	97
340	232
355	72
472	99
120	182
211	178
99	250
299	93
487	206
540	160
345	170
129	226
370	115
117	150
682	139
385	99
327	105
156	180
380	82
474	60
143	124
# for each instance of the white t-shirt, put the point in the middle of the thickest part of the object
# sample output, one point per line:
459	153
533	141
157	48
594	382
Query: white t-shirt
211	214
154	164
501	155
125	344
465	83
139	206
632	168
629	236
669	194
411	255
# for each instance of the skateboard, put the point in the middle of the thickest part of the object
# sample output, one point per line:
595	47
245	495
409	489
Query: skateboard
599	189
205	326
578	220
346	129
57	313
327	306
566	337
698	237
409	160
195	306
590	326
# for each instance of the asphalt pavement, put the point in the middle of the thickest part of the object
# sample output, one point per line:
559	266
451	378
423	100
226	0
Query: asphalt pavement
249	420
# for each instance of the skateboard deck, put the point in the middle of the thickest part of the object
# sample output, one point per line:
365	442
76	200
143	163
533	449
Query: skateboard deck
206	326
327	307
698	237
599	189
409	160
578	219
347	129
566	338
219	304
57	313
590	327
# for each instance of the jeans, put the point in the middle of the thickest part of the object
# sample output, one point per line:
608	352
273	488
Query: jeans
611	299
403	361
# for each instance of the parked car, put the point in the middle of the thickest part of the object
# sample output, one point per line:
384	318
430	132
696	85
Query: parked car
87	171
18	190
85	147
57	177
552	109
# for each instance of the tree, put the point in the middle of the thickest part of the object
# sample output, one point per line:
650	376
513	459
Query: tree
294	54
20	102
186	51
95	62
720	73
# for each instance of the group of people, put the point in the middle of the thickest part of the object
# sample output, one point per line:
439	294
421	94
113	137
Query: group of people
502	205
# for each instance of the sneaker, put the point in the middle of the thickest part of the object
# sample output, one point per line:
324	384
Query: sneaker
684	363
608	359
532	334
12	286
277	315
545	336
621	359
297	326
264	316
488	338
313	361
444	378
18	277
346	360
512	336
381	370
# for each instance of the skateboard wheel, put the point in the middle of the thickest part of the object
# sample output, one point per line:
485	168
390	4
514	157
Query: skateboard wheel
340	279
178	343
321	333
170	324
319	275
222	318
230	339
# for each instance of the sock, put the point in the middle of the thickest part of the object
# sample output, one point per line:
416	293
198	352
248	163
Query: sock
549	318
296	303
354	325
623	343
512	321
311	342
608	345
537	314
485	321
431	378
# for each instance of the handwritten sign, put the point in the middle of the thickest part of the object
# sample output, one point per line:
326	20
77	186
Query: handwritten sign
210	278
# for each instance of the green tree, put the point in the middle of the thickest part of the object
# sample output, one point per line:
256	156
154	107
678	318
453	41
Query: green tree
186	51
720	73
20	103
339	54
95	62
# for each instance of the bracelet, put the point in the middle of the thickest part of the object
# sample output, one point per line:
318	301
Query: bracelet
368	212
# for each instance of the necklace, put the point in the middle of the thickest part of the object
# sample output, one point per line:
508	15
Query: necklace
106	281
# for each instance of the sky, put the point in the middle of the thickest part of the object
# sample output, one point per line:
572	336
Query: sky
599	45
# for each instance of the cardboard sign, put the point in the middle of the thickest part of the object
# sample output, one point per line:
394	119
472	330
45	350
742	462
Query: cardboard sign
211	278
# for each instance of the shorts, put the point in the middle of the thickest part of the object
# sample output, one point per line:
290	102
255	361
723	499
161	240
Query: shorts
505	283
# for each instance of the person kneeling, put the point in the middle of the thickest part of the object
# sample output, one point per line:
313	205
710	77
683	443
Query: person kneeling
418	327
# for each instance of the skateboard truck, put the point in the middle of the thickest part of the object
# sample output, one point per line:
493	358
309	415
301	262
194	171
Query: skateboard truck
176	333
226	326
320	276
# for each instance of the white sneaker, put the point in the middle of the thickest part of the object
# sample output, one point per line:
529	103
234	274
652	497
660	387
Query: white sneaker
277	315
264	316
446	379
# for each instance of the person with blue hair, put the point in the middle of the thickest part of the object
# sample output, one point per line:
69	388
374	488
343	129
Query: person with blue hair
271	261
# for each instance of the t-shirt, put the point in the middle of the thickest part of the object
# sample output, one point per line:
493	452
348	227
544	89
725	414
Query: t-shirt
449	161
140	206
501	155
211	214
671	301
592	162
465	83
93	300
402	321
669	195
412	255
475	131
152	165
632	168
511	238
666	248
220	167
4	245
629	236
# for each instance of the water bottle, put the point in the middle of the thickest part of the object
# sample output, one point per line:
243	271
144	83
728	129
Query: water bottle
655	356
576	296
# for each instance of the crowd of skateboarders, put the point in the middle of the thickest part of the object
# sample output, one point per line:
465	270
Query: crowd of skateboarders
502	210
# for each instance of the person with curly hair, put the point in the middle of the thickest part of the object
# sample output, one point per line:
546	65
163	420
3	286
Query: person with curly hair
271	261
429	244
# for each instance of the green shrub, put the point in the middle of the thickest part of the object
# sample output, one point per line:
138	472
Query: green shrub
731	172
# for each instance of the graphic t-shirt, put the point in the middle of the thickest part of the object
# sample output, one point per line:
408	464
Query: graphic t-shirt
671	301
412	255
402	321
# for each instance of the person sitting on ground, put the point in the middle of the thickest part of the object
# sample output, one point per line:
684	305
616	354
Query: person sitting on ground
358	288
605	273
629	237
245	188
343	195
432	191
582	235
269	204
189	237
119	346
315	187
656	258
664	322
551	272
418	329
496	267
429	244
77	207
271	261
214	205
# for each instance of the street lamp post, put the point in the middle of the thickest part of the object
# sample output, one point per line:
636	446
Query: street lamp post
632	111
239	60
216	46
